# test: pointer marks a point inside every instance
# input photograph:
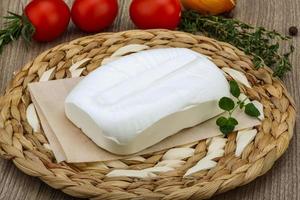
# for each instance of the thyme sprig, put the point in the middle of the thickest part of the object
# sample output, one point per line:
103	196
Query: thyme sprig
262	44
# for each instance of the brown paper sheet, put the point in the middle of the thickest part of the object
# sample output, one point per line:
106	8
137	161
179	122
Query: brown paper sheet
70	144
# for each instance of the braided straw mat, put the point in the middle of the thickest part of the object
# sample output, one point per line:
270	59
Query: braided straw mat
30	152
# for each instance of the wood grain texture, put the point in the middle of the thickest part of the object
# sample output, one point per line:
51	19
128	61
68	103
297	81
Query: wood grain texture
282	182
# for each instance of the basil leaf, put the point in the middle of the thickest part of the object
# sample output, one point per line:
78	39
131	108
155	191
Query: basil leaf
232	121
226	103
234	89
251	110
226	129
221	121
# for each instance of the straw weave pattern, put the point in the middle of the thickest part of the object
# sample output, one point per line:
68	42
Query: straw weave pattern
28	149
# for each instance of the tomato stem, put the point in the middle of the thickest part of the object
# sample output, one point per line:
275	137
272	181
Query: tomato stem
16	26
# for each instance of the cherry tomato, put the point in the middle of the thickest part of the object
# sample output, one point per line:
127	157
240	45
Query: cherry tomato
94	15
50	18
147	14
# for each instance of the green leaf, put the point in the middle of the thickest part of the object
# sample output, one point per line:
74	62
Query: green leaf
221	121
232	121
226	103
234	89
226	129
226	126
251	110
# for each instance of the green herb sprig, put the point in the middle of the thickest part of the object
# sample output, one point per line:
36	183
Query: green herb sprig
15	27
227	124
258	42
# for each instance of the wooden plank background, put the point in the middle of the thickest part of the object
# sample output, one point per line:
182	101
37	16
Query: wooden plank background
282	182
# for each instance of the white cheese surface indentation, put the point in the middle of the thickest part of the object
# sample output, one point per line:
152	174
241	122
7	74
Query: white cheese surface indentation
138	100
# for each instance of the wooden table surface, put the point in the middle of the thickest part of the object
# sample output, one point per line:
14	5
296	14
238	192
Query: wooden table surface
282	182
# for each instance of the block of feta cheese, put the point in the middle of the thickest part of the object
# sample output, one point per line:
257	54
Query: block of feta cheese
140	99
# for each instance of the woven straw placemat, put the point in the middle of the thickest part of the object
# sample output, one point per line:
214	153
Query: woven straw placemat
30	152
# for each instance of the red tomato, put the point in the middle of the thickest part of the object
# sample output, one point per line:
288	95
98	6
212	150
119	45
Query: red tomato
147	14
94	15
50	18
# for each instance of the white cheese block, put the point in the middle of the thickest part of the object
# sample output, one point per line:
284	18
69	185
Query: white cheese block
138	100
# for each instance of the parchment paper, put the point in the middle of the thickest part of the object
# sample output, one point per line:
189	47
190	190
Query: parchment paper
70	144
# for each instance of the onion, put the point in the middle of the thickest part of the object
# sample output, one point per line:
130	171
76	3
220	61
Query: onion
213	7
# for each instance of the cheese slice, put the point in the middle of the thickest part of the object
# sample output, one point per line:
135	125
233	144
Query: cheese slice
138	100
